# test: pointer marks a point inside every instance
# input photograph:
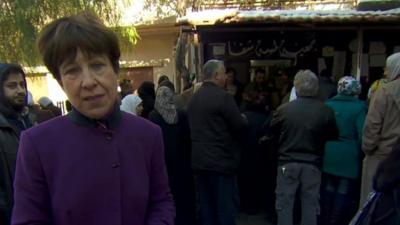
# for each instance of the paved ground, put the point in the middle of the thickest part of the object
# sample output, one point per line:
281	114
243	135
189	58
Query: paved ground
258	219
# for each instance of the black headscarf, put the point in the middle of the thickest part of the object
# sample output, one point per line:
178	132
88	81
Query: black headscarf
148	95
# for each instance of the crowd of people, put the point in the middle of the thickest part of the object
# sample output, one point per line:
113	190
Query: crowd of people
305	150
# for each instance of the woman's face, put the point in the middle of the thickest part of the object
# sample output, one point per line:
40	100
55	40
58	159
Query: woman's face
90	84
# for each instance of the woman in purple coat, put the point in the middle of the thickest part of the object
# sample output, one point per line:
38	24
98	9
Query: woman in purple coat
96	165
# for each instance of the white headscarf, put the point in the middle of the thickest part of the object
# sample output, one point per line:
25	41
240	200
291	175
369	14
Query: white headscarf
30	101
129	103
393	66
293	95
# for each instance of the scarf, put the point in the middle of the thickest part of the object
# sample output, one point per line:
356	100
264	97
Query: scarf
165	105
129	103
393	66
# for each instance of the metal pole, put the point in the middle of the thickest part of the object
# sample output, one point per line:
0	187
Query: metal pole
360	37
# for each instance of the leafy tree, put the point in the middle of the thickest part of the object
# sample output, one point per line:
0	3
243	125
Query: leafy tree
166	8
21	20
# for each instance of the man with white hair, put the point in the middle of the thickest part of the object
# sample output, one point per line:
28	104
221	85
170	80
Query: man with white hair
382	125
216	124
302	127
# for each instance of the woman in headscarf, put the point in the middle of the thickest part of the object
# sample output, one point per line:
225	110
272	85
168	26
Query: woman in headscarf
382	125
96	165
132	104
342	158
147	93
177	145
46	104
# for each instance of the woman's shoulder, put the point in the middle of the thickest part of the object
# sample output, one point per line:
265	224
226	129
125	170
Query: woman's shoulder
340	99
52	126
154	116
360	105
349	105
181	113
136	122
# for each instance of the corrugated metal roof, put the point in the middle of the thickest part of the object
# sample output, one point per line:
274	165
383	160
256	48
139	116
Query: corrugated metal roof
228	16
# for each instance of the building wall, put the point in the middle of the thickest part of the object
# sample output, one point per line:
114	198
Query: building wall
156	51
46	85
37	85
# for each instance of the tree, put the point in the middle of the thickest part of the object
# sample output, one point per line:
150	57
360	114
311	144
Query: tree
21	20
166	8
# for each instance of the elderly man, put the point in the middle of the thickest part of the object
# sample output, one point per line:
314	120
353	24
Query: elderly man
216	124
302	127
382	125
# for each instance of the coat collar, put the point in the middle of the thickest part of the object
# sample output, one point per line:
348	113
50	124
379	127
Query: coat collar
393	89
341	97
306	98
110	122
209	84
3	122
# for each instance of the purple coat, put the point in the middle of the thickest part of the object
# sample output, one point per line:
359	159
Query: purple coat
69	174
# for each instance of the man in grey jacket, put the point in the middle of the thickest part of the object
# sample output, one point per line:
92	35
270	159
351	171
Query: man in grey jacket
13	119
216	124
302	127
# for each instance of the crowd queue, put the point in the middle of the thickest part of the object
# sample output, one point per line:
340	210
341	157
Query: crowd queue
302	150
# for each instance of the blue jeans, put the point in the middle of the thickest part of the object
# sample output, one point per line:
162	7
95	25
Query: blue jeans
339	197
218	198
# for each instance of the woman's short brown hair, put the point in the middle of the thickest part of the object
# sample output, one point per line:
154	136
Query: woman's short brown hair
61	39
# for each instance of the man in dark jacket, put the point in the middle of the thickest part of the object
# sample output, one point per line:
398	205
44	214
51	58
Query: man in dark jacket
215	123
302	126
327	89
13	119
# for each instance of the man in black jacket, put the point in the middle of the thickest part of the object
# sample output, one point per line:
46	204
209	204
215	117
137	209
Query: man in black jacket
302	126
327	89
13	120
216	124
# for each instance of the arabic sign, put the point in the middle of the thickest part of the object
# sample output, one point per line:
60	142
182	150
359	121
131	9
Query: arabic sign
261	48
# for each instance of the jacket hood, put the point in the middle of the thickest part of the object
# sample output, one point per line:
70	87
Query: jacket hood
5	107
387	175
393	89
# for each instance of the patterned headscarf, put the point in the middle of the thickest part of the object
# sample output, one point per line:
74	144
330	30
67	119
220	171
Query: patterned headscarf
349	86
165	105
129	103
393	66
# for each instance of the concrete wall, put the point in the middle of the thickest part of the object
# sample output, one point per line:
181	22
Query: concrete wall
155	49
45	85
37	85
